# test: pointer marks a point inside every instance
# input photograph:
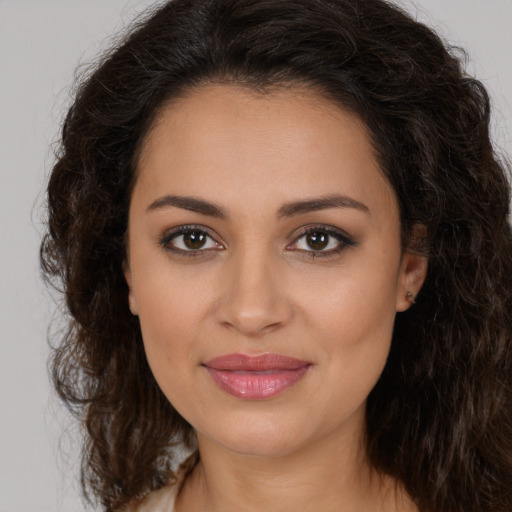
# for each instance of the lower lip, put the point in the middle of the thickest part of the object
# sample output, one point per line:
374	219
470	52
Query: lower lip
256	385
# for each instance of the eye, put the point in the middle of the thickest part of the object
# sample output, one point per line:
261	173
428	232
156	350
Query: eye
189	239
321	241
317	241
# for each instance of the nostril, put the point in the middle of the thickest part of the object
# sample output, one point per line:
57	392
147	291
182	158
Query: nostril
251	325
252	298
254	321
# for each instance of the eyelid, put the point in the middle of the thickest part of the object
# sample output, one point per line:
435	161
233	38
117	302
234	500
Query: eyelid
345	240
166	238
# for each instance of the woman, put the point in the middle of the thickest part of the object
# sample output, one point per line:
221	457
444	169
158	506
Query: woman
282	235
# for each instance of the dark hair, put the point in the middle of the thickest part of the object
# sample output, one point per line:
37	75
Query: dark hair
440	418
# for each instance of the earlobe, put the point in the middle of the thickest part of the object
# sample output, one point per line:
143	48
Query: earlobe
412	276
128	278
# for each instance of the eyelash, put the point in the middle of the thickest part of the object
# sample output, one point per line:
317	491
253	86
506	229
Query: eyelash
343	239
168	237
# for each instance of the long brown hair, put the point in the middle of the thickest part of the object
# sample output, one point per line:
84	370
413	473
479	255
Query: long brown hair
440	418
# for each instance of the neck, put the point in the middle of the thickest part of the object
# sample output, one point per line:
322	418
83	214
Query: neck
332	474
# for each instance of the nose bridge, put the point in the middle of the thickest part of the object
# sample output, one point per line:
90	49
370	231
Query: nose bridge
254	300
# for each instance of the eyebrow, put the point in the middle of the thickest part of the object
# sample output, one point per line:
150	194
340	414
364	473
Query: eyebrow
287	210
189	203
320	203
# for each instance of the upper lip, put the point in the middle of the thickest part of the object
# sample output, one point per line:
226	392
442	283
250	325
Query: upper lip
252	363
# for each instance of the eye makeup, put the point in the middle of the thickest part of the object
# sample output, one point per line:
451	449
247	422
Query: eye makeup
311	241
321	241
190	240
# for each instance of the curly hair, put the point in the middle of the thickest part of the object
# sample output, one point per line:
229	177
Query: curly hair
440	418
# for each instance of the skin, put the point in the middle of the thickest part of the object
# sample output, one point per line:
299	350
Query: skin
256	287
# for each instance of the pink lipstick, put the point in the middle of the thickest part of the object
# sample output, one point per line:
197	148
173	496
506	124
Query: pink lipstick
255	377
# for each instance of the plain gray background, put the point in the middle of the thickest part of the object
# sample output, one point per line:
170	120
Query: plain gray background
41	43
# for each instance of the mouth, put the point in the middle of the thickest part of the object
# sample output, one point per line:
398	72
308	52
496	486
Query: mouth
255	377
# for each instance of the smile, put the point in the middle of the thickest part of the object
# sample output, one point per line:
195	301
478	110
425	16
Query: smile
255	377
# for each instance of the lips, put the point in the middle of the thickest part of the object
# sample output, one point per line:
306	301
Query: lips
255	377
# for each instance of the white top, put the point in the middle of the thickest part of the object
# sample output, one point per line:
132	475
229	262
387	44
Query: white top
162	500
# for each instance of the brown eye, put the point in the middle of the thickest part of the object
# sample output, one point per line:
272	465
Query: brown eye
320	241
195	240
317	240
189	240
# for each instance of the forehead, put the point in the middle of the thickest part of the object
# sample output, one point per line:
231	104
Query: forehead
235	142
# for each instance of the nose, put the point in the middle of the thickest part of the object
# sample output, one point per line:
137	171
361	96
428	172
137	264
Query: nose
253	299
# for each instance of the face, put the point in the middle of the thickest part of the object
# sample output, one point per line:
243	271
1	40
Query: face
265	266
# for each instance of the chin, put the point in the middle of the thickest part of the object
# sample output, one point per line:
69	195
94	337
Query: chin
264	446
259	438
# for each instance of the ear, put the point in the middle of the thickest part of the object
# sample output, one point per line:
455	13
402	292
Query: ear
131	297
413	271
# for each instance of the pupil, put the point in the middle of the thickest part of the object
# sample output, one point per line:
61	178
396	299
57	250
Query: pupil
317	240
194	239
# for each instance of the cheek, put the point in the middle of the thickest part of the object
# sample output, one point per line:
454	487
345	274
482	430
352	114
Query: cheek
356	328
355	303
354	322
169	331
171	312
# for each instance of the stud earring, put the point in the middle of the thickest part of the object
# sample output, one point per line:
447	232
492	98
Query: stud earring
410	297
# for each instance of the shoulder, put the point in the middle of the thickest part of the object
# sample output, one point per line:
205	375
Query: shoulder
162	500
